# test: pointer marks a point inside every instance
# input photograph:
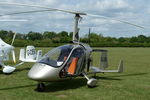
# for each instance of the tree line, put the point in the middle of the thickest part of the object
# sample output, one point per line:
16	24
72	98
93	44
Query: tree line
52	39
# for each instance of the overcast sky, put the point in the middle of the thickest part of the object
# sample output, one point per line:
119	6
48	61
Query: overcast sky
133	11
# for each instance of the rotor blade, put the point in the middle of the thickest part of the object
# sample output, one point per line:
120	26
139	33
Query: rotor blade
15	13
13	20
72	12
13	56
13	38
125	22
38	6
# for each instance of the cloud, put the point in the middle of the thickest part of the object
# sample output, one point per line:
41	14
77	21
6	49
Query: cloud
113	4
136	12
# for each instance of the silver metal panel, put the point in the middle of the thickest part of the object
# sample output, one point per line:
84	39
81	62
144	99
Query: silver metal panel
43	73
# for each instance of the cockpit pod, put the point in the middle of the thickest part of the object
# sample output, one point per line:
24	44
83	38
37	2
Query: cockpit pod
59	63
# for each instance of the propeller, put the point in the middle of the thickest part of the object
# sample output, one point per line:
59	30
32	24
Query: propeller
12	51
13	39
62	10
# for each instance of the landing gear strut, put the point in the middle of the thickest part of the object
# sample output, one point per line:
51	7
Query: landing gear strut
91	82
40	87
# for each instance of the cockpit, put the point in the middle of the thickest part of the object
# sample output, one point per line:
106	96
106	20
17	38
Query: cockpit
57	56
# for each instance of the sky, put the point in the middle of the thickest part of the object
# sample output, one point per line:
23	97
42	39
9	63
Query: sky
133	11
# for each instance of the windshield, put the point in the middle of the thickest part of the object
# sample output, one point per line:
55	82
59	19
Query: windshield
57	56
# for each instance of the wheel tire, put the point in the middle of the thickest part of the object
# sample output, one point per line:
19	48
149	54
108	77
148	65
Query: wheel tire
40	87
91	83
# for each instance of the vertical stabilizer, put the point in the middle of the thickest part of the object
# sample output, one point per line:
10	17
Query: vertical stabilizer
22	54
30	53
103	60
39	55
120	67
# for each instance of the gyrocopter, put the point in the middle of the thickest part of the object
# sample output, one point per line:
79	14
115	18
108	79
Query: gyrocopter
71	60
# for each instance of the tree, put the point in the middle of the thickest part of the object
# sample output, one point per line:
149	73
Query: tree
3	34
70	34
63	33
34	36
121	40
49	35
134	40
142	39
94	37
109	39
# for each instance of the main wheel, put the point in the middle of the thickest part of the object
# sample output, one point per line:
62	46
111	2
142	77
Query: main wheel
92	83
40	87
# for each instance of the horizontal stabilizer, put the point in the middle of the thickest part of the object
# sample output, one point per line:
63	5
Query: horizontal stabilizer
30	55
120	68
98	70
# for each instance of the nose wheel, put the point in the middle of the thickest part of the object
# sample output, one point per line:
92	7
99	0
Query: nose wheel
40	87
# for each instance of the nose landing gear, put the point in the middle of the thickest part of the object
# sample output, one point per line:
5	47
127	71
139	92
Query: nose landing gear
40	87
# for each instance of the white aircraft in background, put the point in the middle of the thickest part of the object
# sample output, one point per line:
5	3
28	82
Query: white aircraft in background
6	49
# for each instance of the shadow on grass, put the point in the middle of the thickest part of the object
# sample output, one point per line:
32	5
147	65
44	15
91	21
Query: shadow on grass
17	87
107	78
22	69
55	86
71	84
65	85
1	72
132	74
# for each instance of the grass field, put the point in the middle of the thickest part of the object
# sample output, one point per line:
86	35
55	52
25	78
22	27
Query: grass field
133	84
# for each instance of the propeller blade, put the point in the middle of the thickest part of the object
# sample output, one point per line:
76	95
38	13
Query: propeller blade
38	6
13	38
13	56
125	22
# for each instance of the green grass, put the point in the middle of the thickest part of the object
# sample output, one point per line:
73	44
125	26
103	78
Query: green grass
133	84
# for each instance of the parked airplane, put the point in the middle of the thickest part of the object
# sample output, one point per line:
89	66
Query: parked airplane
6	49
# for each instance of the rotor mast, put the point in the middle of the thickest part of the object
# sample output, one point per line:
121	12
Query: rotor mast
76	28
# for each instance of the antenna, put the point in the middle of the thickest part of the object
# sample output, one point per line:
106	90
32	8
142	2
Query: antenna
89	35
